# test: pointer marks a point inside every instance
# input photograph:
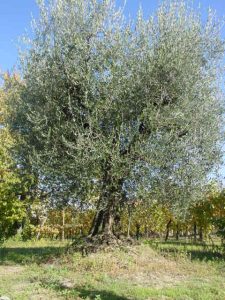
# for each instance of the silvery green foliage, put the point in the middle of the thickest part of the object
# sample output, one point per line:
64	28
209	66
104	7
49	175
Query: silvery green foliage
109	105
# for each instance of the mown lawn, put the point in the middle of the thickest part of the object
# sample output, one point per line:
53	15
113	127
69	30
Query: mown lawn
152	270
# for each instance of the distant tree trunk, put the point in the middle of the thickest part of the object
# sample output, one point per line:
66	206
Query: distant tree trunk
177	232
146	231
201	234
186	232
63	224
129	221
195	232
168	229
138	226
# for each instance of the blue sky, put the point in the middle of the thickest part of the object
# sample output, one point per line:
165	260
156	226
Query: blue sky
15	18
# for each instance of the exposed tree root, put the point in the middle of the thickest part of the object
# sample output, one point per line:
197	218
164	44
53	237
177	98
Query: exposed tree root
100	242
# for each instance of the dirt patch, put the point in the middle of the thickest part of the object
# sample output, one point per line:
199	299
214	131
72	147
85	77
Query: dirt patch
45	297
10	270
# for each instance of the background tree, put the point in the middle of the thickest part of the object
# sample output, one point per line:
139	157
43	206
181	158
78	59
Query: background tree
121	110
12	209
18	186
217	201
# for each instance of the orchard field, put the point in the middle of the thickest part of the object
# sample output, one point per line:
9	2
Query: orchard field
112	142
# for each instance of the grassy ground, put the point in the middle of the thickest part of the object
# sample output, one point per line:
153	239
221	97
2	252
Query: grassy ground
153	270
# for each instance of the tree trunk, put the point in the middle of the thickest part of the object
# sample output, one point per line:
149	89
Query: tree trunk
97	223
108	205
177	233
186	233
63	225
146	231
195	232
104	217
103	223
129	221
168	230
138	226
108	220
201	234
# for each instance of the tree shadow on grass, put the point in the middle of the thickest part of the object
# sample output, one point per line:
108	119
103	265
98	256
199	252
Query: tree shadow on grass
205	255
103	295
201	255
83	292
195	251
29	255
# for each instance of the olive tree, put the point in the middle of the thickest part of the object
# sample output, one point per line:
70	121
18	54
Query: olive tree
121	109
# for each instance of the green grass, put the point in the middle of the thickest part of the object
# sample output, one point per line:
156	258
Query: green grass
153	270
